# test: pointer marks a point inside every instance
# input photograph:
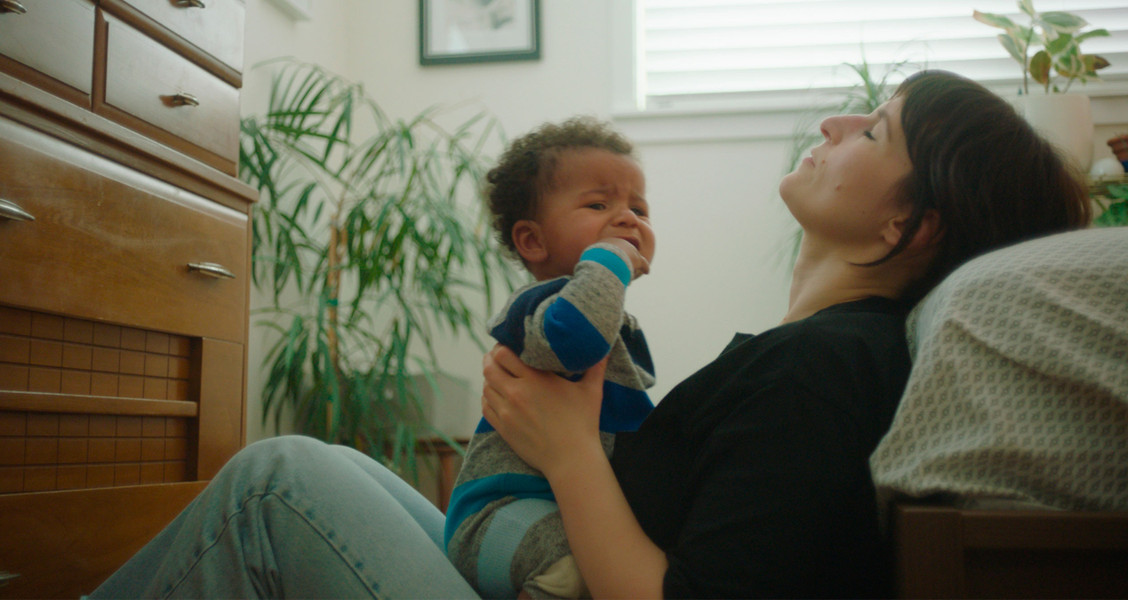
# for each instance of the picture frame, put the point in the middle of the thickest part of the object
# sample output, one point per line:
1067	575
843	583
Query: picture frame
477	31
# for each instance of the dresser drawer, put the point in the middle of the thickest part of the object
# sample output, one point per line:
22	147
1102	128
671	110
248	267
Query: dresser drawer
111	244
152	83
214	26
54	37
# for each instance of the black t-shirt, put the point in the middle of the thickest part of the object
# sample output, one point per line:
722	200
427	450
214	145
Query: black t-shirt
753	474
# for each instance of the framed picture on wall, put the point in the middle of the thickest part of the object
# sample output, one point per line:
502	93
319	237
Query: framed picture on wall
470	31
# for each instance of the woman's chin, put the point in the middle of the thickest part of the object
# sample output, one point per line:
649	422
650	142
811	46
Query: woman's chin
786	188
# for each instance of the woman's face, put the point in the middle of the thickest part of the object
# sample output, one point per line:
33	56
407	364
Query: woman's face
844	192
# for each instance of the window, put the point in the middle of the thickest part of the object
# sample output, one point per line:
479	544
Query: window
767	54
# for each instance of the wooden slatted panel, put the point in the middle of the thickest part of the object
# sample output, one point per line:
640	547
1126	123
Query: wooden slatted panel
45	451
59	360
47	353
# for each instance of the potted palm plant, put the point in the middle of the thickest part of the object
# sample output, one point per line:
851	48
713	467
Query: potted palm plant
368	250
1056	62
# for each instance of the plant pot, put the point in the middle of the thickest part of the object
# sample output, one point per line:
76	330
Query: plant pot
1119	145
1063	119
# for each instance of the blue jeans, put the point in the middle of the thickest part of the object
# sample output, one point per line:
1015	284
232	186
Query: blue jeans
295	517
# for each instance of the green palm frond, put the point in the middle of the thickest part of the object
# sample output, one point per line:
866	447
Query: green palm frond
369	249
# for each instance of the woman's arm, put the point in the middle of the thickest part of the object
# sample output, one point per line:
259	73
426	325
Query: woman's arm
553	424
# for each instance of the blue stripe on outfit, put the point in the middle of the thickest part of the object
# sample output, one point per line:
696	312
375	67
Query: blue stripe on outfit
511	331
575	341
501	541
610	260
483	427
472	496
623	408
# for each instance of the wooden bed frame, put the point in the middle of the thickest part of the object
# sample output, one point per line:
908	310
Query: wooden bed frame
945	552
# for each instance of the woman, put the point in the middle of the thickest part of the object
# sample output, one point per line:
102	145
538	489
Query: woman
751	477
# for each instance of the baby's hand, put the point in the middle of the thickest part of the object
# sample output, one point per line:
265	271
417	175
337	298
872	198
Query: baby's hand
639	265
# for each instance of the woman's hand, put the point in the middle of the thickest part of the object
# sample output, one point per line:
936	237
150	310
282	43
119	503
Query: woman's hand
542	416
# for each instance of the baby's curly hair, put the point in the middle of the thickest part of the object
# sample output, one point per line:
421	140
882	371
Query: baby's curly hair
527	168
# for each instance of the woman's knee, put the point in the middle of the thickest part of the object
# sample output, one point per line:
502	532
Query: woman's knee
284	443
288	457
281	447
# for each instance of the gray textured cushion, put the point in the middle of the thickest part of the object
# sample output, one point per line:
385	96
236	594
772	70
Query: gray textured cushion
1019	387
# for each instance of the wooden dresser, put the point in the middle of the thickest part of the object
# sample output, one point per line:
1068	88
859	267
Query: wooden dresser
124	276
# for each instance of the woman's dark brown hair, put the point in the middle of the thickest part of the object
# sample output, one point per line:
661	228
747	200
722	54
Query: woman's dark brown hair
991	178
527	167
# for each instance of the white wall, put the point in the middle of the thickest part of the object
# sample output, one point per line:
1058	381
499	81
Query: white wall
270	34
721	229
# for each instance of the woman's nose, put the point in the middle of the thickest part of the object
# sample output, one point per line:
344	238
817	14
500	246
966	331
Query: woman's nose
833	128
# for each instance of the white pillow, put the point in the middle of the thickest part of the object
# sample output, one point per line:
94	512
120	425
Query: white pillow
1019	386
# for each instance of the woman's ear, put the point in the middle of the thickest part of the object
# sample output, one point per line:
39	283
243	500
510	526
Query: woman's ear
927	234
529	242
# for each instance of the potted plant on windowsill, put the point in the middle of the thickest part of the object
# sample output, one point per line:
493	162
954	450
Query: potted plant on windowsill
1063	117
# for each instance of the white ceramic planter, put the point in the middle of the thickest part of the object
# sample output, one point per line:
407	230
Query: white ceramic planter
1065	120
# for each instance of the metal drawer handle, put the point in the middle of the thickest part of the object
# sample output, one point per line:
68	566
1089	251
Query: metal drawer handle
211	270
184	99
12	6
190	3
13	211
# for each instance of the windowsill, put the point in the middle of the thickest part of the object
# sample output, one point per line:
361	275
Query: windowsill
779	117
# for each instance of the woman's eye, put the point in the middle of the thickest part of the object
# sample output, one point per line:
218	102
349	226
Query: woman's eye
869	134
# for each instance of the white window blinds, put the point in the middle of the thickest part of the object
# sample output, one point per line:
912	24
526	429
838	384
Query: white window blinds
767	52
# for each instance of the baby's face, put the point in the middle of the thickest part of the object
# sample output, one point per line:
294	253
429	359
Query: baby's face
596	195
